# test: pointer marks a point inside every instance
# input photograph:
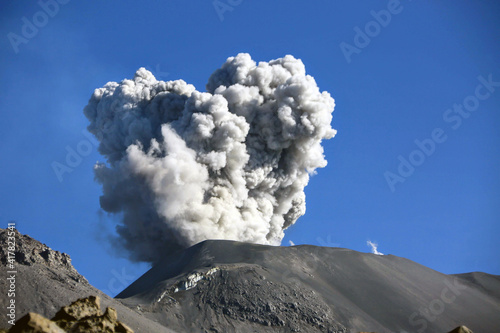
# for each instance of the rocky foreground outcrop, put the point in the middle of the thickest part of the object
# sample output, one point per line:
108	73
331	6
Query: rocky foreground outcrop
83	315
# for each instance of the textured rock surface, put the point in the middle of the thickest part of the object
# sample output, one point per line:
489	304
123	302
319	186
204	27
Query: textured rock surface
30	252
35	323
84	307
83	315
461	329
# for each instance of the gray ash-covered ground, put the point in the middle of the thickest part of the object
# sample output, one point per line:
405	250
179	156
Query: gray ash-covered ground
220	285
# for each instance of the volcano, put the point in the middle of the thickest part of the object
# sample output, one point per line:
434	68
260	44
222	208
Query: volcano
221	286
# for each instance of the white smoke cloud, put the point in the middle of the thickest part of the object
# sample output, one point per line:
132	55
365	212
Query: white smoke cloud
184	166
291	243
373	247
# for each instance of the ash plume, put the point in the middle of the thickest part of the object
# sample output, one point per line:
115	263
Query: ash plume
231	163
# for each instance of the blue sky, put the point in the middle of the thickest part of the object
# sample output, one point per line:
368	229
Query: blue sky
420	75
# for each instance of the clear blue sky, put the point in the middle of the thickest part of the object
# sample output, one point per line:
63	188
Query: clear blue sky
397	84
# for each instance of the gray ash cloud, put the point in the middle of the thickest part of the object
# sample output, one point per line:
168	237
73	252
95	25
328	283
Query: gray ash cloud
184	166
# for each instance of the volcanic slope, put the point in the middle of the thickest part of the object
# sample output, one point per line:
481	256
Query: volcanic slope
222	286
46	281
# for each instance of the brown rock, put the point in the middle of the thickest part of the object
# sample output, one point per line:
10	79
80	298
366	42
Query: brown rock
122	328
82	316
461	329
81	308
111	315
93	324
35	323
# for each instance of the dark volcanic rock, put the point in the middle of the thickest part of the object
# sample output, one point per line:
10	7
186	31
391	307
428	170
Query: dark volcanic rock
29	252
46	281
220	286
